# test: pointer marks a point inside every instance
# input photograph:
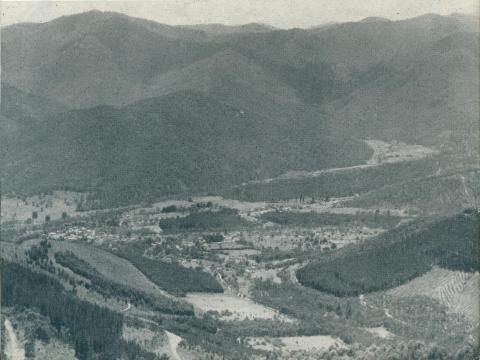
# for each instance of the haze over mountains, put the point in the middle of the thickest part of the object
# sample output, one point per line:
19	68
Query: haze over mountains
102	100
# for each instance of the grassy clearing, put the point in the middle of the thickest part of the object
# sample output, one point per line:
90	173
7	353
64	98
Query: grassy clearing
380	332
53	205
152	340
296	343
456	289
232	307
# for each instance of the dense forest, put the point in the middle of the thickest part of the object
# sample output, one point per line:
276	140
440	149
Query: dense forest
204	221
398	256
374	220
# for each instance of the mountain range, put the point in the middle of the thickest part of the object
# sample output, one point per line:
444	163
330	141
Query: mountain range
107	102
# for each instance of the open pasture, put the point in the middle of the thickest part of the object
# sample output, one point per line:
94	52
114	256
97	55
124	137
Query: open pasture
458	290
231	307
52	205
296	343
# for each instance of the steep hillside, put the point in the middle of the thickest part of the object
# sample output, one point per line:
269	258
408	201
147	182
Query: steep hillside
234	79
457	290
215	30
402	80
94	47
414	97
180	143
341	55
438	193
20	115
19	105
92	58
335	184
397	256
182	109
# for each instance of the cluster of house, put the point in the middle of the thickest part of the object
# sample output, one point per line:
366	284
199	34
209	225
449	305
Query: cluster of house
79	233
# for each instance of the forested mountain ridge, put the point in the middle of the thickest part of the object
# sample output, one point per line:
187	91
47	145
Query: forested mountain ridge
178	143
302	99
239	192
122	49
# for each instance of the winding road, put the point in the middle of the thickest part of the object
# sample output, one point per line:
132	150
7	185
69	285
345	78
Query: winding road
174	340
13	349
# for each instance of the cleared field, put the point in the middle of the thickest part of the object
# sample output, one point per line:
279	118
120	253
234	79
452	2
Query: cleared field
263	275
153	341
380	332
296	343
394	152
53	205
232	307
110	266
54	350
458	290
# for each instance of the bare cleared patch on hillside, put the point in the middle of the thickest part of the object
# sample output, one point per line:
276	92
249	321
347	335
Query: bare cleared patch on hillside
38	207
296	343
457	290
231	307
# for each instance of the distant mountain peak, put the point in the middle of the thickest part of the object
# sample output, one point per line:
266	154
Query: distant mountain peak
429	17
375	19
91	14
93	11
222	29
259	26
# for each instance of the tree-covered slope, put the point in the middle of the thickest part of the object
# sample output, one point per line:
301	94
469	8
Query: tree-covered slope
397	256
174	109
178	143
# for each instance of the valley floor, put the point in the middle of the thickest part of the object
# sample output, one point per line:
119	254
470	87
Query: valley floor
209	275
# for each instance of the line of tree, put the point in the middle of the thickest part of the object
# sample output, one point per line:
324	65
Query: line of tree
335	184
370	219
204	221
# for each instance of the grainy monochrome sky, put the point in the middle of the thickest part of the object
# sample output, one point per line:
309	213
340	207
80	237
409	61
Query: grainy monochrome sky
279	13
